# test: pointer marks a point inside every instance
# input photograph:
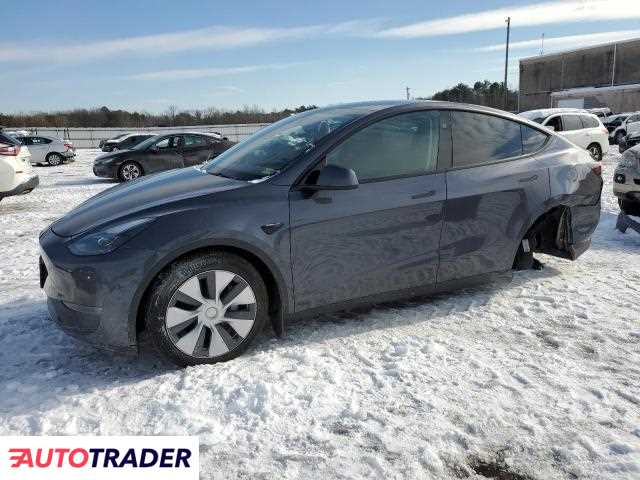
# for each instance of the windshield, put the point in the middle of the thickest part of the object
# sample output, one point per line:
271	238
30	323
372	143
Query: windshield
146	144
272	149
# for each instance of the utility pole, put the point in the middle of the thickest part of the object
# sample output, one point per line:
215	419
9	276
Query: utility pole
542	45
408	94
506	63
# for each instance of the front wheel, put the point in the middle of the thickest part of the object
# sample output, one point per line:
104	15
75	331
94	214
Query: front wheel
129	171
595	151
618	138
206	308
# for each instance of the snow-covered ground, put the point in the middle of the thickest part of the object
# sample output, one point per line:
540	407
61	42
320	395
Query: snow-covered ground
539	375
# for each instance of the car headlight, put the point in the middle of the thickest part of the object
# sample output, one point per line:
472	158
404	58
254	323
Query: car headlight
108	239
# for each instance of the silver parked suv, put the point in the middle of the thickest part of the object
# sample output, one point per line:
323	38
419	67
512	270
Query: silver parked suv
626	182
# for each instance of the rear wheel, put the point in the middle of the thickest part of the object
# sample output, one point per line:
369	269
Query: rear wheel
630	208
595	151
54	159
129	171
206	309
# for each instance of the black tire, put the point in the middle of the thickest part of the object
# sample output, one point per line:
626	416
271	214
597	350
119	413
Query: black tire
172	278
618	138
629	208
125	172
54	159
595	151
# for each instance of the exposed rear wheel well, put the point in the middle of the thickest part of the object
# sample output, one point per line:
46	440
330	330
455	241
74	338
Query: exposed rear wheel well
548	234
275	300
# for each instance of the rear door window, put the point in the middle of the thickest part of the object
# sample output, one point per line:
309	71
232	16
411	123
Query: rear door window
479	138
571	122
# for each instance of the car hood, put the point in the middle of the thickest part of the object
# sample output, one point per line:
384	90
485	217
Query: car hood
141	195
109	157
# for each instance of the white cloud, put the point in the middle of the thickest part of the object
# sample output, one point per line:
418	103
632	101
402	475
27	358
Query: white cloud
521	16
193	73
213	38
570	41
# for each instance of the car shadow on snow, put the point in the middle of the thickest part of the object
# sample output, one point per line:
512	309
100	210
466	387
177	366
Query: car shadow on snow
382	316
43	367
82	183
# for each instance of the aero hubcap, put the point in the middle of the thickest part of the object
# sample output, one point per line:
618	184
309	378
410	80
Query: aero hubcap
594	153
130	172
211	314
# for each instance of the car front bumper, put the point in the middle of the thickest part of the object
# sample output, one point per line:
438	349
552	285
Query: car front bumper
24	187
105	170
91	297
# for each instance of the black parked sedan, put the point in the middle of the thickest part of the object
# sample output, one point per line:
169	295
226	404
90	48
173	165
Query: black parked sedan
126	142
162	152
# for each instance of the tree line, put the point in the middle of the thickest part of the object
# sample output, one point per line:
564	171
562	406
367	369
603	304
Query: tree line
486	93
490	94
104	117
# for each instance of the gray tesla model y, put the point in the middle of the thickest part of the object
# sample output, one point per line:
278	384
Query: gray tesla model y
328	209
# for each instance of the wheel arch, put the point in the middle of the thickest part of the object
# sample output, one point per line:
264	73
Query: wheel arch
551	218
273	277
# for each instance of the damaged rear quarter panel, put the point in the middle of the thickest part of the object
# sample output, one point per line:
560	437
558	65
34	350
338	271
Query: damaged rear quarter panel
573	184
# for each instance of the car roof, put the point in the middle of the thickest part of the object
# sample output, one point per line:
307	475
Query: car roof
129	135
547	112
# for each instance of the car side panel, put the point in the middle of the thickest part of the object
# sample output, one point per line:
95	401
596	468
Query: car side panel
488	208
380	237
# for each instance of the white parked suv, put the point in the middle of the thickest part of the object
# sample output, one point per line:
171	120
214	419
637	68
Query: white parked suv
16	175
582	128
49	150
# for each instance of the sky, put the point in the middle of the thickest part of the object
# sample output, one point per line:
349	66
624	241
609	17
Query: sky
148	55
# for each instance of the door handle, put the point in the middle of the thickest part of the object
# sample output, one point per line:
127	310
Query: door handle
430	193
532	178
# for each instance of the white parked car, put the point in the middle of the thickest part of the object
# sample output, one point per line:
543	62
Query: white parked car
630	127
49	150
16	175
582	128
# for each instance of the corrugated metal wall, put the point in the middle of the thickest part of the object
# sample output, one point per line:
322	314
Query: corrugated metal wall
90	137
606	65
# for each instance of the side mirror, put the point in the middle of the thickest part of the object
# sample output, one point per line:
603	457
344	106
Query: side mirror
333	177
551	127
154	149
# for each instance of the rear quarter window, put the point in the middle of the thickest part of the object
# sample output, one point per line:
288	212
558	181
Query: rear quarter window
589	122
532	140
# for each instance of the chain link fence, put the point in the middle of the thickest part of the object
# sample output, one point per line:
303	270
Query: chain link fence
90	137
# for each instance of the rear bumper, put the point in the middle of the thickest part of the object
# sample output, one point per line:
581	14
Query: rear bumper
24	187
